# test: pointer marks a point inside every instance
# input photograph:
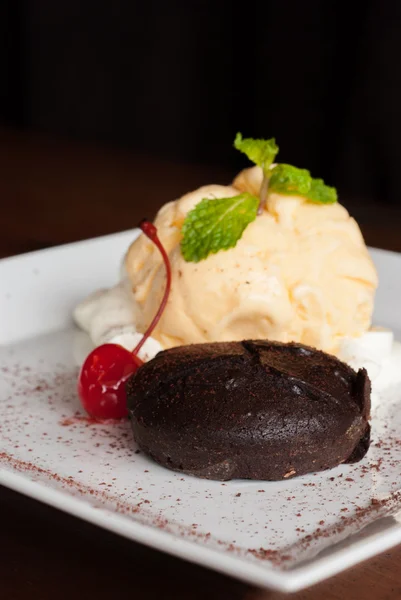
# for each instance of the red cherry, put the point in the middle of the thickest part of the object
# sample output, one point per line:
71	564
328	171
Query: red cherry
101	383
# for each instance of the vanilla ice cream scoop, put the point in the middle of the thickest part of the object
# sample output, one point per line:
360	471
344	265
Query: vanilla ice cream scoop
300	272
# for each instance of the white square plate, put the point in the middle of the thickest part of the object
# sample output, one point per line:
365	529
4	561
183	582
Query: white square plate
284	535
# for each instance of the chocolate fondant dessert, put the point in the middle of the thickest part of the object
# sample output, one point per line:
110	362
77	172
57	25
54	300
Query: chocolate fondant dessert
252	409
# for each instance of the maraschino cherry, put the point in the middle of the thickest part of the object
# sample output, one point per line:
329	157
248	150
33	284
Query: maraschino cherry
101	383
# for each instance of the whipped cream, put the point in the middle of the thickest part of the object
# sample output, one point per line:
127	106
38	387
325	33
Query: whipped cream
368	351
108	317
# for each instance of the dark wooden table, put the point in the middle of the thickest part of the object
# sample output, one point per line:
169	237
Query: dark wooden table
53	191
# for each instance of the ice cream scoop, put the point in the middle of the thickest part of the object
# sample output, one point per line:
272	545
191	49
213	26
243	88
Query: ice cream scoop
300	272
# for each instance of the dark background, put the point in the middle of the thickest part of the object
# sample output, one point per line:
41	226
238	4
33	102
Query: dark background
177	79
88	90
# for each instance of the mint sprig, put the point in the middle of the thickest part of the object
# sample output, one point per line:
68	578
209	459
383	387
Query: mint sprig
283	178
216	224
320	193
291	181
261	152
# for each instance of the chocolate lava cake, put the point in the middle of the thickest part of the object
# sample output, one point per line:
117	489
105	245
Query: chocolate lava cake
252	409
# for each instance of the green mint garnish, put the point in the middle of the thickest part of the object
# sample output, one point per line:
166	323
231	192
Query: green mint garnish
283	179
216	224
289	180
261	152
320	193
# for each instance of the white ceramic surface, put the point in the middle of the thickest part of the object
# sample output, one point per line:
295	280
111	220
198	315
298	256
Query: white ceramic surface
284	535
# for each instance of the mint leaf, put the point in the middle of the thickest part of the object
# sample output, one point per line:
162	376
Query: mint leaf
291	181
261	152
216	224
320	193
286	179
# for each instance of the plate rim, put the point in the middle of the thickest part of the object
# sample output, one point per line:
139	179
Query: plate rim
291	580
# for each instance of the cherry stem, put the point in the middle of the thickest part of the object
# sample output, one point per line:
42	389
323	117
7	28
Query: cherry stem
151	232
